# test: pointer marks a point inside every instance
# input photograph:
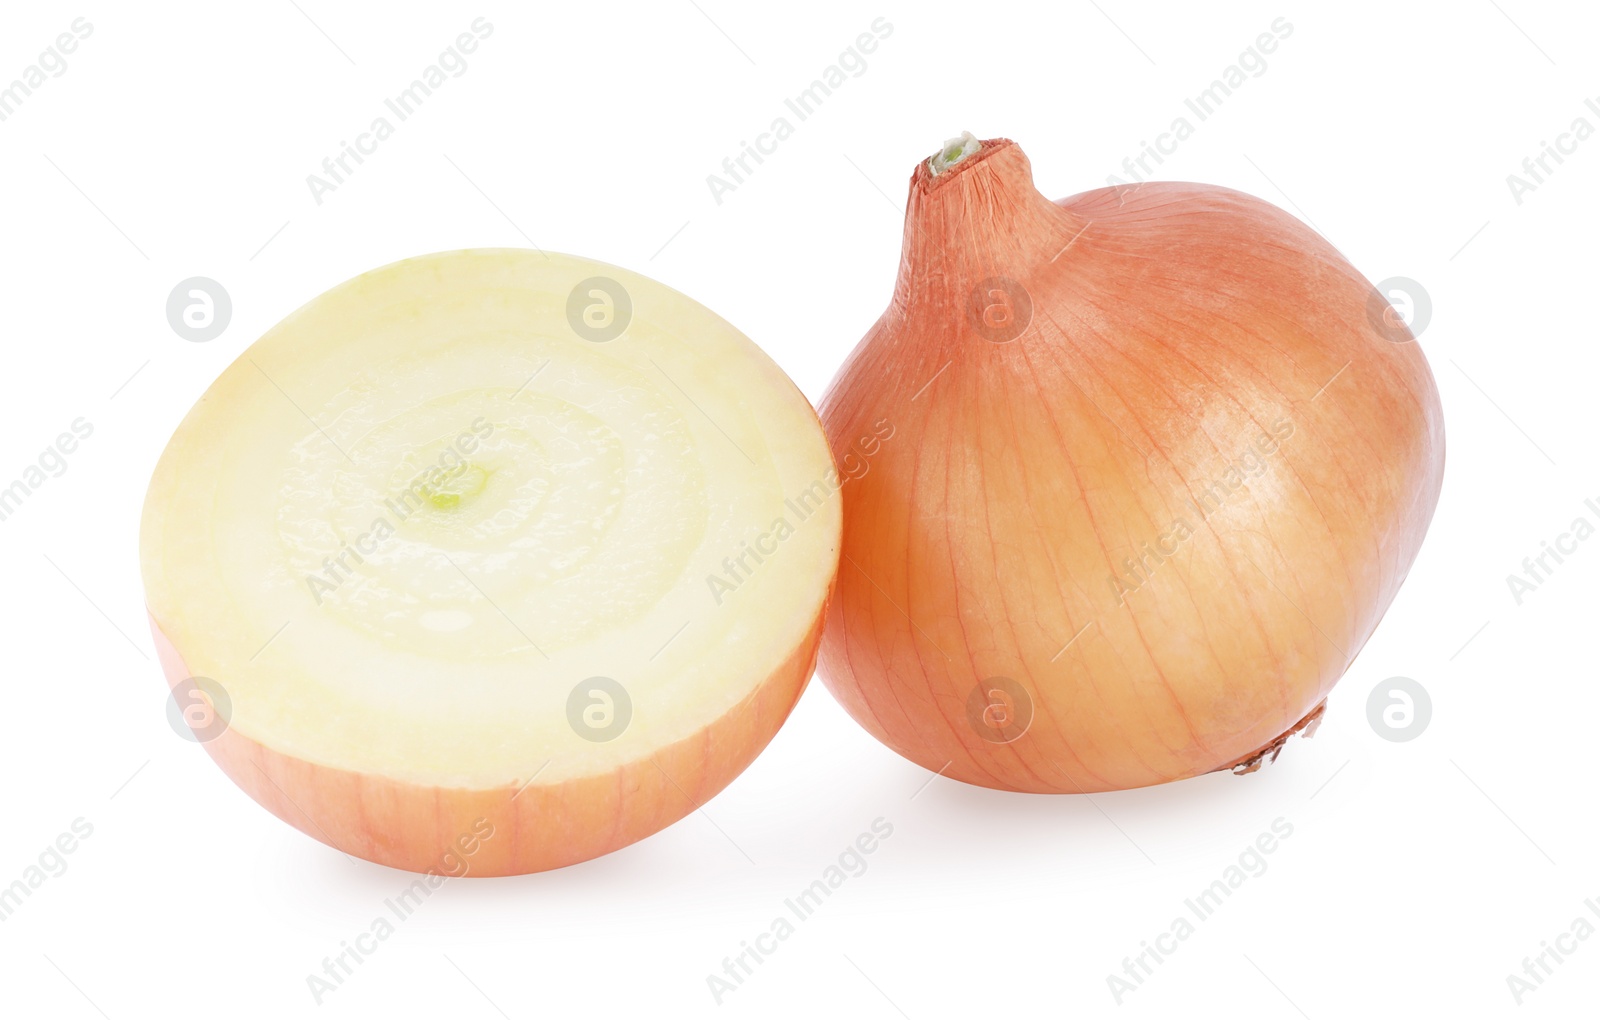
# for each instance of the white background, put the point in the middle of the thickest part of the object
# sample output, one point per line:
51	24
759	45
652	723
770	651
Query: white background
1418	876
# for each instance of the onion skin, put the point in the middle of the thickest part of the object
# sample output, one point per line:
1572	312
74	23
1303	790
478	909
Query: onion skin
1172	325
545	826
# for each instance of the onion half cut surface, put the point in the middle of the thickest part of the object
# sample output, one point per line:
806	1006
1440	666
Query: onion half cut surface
491	549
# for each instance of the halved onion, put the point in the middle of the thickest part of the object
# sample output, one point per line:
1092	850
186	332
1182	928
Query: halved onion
492	541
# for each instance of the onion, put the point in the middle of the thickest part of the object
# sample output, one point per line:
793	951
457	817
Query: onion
492	560
1162	459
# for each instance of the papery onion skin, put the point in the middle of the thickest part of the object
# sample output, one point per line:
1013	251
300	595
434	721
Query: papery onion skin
1172	326
521	828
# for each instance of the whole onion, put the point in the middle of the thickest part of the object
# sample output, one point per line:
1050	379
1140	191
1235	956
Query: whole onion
1162	459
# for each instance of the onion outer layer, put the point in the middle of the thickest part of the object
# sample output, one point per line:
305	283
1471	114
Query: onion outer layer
1163	459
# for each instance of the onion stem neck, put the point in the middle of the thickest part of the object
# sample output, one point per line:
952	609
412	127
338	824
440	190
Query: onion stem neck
955	150
973	213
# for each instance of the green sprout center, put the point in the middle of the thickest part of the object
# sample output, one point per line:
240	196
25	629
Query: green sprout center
450	493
